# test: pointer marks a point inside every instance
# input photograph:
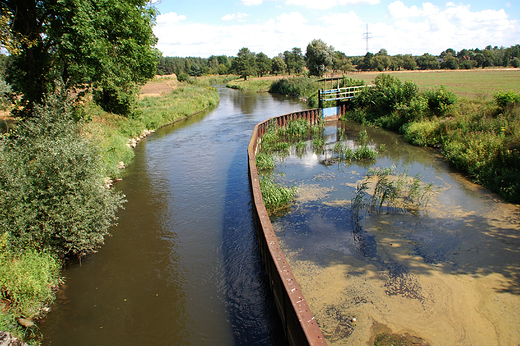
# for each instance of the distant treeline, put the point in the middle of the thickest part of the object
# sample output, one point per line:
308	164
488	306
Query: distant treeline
294	61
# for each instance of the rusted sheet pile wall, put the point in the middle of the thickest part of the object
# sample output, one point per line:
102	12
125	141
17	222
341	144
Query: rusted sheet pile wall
299	323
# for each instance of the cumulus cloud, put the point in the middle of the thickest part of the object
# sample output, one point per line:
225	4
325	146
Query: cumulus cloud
327	4
238	16
398	9
251	2
170	18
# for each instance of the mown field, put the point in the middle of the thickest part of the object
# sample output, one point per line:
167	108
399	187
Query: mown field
470	84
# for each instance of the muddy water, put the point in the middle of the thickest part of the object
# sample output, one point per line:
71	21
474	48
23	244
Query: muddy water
448	276
182	266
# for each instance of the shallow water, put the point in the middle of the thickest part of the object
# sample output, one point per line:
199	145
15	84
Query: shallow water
447	276
182	266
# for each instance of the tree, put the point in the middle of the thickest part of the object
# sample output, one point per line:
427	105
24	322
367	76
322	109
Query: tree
294	60
319	57
408	62
341	62
427	62
245	63
450	62
103	45
279	65
263	64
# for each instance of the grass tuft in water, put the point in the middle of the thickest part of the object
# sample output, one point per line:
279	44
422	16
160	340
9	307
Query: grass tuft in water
386	188
276	196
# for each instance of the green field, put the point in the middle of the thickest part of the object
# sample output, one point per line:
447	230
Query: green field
469	84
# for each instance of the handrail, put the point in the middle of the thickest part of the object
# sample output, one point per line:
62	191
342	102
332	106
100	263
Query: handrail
299	324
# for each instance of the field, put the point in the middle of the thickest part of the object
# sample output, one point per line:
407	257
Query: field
469	84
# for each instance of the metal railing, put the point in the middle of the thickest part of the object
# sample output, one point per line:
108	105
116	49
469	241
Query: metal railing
341	93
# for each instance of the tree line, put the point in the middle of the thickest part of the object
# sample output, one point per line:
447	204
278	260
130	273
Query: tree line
320	58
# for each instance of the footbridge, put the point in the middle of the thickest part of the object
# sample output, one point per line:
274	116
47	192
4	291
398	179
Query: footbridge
337	94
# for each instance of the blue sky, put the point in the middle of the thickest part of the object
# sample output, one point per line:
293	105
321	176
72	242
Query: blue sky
203	28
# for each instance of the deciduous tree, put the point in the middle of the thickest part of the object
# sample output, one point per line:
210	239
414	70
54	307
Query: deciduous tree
104	45
319	57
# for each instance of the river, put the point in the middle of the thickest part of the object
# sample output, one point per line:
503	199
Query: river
182	266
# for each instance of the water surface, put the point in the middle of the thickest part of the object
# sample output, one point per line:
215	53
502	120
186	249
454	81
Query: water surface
182	266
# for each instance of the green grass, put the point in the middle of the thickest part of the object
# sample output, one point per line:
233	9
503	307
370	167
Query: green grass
113	131
252	84
27	282
470	84
276	196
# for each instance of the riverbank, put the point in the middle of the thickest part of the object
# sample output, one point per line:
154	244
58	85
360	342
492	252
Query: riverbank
163	101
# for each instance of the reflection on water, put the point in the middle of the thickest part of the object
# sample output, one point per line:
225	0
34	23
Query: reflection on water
450	276
182	267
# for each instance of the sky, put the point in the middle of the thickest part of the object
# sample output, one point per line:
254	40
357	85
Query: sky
202	28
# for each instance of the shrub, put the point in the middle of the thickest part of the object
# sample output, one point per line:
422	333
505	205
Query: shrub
507	99
183	77
440	100
52	193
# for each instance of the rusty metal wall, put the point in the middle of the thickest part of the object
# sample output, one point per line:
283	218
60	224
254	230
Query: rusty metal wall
300	326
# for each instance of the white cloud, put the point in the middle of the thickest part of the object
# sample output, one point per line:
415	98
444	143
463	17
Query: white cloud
170	18
251	2
327	4
398	9
238	16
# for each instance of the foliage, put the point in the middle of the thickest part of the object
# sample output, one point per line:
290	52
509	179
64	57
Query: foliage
245	63
506	100
319	57
440	100
294	60
263	64
52	193
5	95
264	162
183	77
279	65
276	196
106	45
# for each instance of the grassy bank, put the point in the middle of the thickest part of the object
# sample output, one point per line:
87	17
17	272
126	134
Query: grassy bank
258	85
45	199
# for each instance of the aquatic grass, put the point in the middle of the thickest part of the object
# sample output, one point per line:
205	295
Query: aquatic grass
365	153
276	196
264	162
385	188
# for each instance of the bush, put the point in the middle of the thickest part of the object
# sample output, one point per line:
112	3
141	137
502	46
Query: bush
440	100
507	99
183	77
52	193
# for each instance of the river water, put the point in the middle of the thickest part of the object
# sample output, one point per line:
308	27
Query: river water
448	275
182	266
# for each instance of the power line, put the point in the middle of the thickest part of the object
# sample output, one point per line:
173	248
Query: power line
366	36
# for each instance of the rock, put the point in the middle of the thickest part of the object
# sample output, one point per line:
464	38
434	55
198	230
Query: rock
24	322
133	142
7	339
121	165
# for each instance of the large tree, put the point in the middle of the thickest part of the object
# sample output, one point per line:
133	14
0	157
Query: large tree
103	45
245	63
263	64
319	57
